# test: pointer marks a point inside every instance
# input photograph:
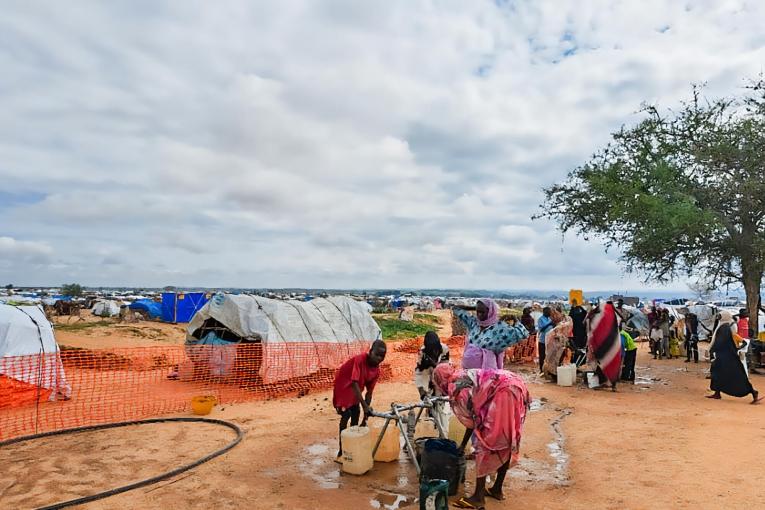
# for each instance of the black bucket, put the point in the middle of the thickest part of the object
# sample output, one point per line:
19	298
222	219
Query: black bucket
440	460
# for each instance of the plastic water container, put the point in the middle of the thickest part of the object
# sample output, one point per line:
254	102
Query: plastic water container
566	375
357	450
390	446
202	405
593	381
457	432
425	428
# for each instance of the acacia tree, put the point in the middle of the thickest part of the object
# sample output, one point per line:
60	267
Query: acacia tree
682	193
71	289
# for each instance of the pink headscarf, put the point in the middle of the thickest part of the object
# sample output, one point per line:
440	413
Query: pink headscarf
493	316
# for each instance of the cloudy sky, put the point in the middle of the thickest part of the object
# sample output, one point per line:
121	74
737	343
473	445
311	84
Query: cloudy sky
330	143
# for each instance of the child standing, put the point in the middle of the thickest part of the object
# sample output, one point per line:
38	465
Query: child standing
630	356
656	337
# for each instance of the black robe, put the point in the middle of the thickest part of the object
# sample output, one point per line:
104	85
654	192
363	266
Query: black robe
728	374
578	315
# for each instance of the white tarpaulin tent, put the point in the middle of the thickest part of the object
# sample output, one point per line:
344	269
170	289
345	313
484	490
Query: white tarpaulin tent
328	330
706	315
106	309
28	349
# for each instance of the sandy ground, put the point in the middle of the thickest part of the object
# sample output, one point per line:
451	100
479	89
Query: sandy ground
91	332
657	444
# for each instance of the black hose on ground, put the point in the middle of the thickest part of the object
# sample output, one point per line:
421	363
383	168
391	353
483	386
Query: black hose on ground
142	483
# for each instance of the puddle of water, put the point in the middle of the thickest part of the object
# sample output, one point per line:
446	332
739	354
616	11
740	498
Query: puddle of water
321	468
537	404
641	379
317	449
537	471
395	477
386	501
556	447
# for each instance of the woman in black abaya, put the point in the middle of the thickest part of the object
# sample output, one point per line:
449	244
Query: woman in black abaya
728	374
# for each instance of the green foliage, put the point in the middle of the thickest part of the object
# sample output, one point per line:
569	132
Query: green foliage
680	194
71	289
9	286
426	318
394	329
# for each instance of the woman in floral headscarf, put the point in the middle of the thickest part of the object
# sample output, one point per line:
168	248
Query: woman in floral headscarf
487	337
492	405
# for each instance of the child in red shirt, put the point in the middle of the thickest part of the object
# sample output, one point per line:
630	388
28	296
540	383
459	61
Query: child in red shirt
743	323
361	371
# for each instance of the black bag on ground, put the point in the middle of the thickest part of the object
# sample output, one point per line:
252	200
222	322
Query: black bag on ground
441	460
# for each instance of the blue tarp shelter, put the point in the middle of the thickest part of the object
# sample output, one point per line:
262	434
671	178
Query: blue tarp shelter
181	306
152	308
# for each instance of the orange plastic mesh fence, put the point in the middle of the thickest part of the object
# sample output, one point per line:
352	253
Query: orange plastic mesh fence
79	387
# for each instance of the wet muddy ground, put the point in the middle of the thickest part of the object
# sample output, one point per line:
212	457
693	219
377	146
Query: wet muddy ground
581	449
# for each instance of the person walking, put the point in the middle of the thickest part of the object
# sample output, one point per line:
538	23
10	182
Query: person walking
727	372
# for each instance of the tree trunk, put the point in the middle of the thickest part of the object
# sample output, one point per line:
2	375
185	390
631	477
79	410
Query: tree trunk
752	280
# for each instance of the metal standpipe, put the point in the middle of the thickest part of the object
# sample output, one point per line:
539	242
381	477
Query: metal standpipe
433	403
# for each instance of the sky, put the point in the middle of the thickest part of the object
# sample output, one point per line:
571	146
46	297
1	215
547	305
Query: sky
342	144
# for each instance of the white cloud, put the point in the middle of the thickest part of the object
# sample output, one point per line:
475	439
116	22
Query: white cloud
26	251
375	144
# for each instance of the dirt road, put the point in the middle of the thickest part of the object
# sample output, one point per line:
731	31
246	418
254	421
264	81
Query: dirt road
657	444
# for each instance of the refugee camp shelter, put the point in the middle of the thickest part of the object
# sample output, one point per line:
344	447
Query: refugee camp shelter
106	309
181	306
706	315
297	338
30	363
638	321
149	308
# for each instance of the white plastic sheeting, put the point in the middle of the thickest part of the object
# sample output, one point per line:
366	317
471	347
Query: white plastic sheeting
706	315
28	349
106	309
337	319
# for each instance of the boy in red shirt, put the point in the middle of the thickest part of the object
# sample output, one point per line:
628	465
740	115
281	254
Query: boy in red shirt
361	371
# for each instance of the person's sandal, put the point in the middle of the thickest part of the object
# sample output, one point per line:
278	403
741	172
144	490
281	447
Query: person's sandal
492	495
464	503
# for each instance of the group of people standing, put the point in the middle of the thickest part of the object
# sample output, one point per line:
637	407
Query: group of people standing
492	402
